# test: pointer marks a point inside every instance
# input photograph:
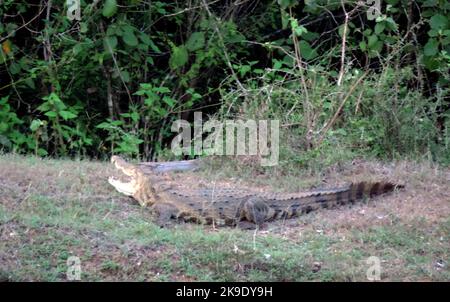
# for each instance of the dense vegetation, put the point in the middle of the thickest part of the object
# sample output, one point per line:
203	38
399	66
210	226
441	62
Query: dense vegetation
338	78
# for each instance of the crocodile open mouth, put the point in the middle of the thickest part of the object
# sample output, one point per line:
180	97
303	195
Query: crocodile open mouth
127	188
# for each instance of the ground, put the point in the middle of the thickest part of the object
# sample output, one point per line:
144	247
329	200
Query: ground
53	209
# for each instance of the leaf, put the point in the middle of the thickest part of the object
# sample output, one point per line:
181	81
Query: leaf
51	114
288	61
429	3
67	115
310	36
179	57
341	30
149	60
30	83
367	32
378	46
5	141
433	33
363	45
373	39
161	89
35	124
3	127
78	48
104	125
307	52
6	47
311	4
277	65
391	23
42	152
44	107
298	30
286	3
110	43
110	8
14	68
236	37
379	28
431	48
431	63
169	101
134	116
139	92
125	76
244	69
154	47
145	38
438	22
284	19
196	41
129	38
83	27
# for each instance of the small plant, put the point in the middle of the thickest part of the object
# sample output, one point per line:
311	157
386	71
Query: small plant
62	128
122	140
10	136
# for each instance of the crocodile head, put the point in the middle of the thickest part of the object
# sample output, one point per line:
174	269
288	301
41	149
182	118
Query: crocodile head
139	186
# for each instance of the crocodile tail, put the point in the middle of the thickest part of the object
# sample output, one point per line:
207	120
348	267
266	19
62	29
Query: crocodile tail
361	190
331	198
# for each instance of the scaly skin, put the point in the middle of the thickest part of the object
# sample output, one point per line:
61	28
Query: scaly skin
232	206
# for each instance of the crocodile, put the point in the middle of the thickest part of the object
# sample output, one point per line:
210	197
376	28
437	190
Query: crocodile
229	206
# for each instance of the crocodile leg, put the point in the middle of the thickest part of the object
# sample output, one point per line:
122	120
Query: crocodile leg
257	211
168	212
165	213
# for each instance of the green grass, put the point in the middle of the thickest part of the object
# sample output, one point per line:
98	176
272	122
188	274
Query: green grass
54	215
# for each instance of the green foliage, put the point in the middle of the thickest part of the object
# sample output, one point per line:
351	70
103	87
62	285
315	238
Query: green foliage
123	140
109	8
60	127
10	136
135	69
382	117
179	57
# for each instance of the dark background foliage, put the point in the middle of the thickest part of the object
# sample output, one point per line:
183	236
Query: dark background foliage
114	81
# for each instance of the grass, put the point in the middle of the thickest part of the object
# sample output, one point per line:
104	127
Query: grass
53	209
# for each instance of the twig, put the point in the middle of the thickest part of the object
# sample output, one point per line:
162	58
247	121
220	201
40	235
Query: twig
344	40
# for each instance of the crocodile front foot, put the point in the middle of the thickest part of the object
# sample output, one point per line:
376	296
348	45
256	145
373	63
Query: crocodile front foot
257	211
